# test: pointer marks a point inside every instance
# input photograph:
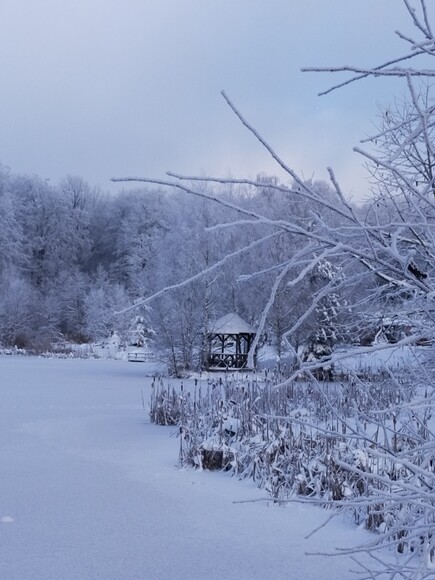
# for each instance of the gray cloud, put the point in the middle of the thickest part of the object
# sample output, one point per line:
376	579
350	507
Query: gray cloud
102	87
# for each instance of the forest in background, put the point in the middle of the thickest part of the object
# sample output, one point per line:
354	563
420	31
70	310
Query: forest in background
74	260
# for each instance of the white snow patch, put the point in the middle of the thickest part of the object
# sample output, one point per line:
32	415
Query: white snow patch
103	497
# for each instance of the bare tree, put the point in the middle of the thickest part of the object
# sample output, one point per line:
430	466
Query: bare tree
391	251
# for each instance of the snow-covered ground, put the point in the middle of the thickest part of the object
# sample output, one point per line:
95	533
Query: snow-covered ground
90	490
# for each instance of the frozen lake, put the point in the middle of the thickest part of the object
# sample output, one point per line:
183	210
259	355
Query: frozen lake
90	490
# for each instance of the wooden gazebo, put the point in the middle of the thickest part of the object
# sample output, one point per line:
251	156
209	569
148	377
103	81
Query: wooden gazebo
229	340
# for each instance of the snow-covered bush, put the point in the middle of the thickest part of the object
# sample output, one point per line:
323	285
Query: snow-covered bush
362	443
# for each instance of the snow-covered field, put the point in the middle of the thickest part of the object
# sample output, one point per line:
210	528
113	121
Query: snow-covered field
90	490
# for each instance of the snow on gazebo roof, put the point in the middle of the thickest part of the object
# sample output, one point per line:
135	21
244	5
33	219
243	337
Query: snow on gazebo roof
231	324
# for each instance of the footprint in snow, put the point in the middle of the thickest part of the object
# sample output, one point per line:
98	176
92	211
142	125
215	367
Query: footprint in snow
6	520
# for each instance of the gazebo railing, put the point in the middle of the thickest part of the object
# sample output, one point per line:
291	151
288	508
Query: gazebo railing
228	360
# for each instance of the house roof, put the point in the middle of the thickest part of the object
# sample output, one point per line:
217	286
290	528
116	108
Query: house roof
232	324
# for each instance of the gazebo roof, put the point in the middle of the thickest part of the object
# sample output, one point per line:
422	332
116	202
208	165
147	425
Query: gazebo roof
231	324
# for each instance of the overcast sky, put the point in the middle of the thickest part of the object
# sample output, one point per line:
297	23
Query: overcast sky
102	88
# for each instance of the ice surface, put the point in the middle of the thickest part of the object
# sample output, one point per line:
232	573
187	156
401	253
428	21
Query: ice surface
94	492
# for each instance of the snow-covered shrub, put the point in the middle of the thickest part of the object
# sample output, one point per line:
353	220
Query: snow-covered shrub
166	403
351	443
